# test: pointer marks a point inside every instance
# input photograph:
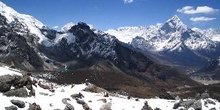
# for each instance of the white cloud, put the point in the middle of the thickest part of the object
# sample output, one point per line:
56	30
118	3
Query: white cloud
199	9
55	27
128	1
197	19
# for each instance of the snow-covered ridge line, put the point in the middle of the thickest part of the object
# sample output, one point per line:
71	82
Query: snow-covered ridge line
165	37
30	23
126	34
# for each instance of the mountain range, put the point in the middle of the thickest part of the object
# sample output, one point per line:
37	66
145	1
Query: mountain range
173	43
77	53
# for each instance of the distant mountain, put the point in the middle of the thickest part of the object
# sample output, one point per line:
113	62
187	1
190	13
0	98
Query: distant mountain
78	52
174	42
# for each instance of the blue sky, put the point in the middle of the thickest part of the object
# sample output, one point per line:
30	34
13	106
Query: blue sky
111	14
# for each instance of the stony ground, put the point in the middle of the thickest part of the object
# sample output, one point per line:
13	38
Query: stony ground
43	95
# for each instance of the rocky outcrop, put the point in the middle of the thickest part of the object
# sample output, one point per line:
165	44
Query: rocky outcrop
18	48
19	84
195	104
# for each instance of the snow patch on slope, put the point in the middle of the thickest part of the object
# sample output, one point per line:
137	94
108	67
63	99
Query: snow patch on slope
67	27
8	71
69	36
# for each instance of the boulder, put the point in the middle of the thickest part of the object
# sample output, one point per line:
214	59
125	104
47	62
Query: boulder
21	92
146	106
68	105
208	101
11	108
106	106
197	105
34	106
205	95
6	82
18	103
80	101
157	108
103	100
4	87
86	107
188	103
7	78
83	103
95	89
176	105
213	108
77	96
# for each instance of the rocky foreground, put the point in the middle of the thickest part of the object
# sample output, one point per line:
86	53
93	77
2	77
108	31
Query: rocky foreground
21	91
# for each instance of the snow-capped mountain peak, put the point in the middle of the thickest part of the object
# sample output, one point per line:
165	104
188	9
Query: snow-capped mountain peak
29	23
171	37
67	27
11	15
174	24
175	18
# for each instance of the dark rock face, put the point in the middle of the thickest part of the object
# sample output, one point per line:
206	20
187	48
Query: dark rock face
19	52
18	103
86	46
22	92
49	33
17	48
129	59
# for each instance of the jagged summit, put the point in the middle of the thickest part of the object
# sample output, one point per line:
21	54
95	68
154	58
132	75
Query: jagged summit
174	18
174	24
